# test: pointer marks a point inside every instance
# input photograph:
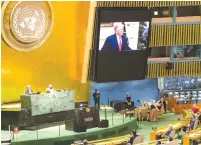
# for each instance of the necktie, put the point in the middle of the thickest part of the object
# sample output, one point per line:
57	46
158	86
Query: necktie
120	43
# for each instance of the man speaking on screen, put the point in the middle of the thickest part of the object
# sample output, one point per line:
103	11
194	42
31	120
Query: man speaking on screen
116	42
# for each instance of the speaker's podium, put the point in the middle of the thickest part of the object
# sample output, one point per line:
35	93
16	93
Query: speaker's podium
81	119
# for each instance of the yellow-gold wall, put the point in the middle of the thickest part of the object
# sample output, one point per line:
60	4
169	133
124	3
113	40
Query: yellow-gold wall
58	61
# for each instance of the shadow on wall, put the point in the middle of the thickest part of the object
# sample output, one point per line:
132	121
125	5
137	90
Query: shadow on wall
139	90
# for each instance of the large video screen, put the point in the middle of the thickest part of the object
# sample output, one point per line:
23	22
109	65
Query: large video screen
121	42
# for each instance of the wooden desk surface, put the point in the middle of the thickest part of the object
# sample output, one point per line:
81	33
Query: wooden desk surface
180	107
162	130
153	142
193	135
111	141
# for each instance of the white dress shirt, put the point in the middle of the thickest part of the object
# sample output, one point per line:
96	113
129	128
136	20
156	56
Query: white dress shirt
49	90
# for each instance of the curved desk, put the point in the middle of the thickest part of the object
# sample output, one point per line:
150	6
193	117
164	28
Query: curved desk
110	141
162	130
193	135
153	142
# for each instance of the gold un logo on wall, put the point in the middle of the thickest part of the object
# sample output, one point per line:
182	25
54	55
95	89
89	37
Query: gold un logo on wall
25	24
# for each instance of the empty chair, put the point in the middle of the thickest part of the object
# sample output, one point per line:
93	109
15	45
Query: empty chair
199	95
181	96
194	92
199	100
199	92
188	92
181	101
170	94
194	96
182	93
176	93
193	100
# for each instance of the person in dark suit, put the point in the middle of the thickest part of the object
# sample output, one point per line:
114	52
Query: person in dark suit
128	101
133	136
116	42
96	96
191	125
166	135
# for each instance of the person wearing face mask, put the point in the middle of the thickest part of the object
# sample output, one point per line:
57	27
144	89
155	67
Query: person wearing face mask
116	42
50	89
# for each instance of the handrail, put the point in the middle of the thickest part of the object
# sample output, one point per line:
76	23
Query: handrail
195	60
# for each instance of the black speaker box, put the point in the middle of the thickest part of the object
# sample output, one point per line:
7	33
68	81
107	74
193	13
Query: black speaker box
69	125
103	124
80	128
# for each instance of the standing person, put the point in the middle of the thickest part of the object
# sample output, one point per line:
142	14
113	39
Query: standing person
165	103
96	96
128	101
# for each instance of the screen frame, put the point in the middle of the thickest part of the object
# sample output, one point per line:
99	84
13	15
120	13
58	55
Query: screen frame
96	35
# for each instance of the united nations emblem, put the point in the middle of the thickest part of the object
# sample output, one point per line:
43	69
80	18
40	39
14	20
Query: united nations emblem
26	25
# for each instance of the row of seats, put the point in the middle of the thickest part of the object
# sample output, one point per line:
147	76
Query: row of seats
193	96
193	101
184	93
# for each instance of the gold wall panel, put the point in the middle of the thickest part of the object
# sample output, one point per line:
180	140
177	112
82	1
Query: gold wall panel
58	61
172	35
146	3
190	68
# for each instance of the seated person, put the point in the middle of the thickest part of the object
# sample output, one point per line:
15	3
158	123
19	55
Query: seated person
199	116
133	136
160	103
152	106
170	138
177	98
28	91
50	89
197	142
166	135
190	126
159	143
128	101
195	109
188	98
85	142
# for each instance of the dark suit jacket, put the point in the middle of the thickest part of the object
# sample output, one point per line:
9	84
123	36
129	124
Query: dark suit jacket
96	96
111	44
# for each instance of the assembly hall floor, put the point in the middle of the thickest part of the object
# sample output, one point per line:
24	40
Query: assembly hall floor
144	127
